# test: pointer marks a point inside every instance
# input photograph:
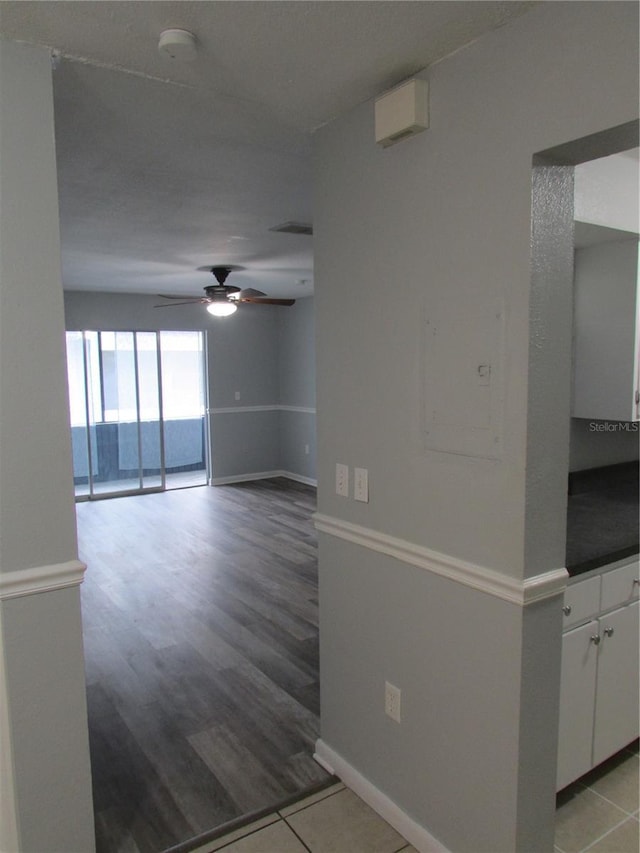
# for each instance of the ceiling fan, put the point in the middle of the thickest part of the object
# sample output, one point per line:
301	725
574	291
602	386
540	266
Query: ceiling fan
222	299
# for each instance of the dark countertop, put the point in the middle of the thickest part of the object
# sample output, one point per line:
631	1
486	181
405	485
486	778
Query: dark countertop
602	517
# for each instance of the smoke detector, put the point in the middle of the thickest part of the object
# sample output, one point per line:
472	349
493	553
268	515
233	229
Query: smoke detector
178	45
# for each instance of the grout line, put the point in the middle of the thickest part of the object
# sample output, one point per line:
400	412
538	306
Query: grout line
604	835
405	844
314	803
611	802
242	837
301	840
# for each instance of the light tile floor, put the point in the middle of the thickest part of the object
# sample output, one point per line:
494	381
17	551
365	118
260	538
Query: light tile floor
599	814
334	820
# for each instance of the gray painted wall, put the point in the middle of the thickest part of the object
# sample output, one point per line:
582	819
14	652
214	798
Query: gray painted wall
297	382
46	780
383	620
297	431
264	353
297	363
244	444
443	223
42	638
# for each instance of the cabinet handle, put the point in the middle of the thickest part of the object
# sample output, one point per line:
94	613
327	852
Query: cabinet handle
608	632
595	639
566	609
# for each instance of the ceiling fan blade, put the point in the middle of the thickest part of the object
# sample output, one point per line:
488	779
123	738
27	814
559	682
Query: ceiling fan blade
183	297
251	291
176	304
259	300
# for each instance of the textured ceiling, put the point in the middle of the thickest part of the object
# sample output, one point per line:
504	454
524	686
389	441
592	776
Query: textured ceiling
165	167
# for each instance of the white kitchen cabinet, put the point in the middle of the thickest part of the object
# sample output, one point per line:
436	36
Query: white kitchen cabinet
605	370
581	602
619	586
599	710
577	701
616	708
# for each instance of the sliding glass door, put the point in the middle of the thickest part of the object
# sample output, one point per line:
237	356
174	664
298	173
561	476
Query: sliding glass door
183	404
83	442
125	439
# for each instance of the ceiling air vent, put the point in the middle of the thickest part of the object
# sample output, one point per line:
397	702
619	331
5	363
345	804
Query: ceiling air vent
293	228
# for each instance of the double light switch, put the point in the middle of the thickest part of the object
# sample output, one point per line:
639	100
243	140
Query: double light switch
360	482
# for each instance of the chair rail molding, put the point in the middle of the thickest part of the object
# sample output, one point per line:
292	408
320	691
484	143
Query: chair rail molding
520	592
272	407
39	579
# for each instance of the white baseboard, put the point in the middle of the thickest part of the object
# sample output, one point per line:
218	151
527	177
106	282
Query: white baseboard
298	478
271	407
243	478
415	834
261	475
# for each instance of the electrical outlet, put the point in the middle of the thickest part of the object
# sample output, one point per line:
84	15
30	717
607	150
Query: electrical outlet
237	395
306	450
342	480
392	697
361	485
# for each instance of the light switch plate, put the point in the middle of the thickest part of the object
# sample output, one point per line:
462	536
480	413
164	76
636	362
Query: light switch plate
392	702
342	480
361	485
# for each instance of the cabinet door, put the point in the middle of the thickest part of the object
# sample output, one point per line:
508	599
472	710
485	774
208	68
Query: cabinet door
577	698
616	717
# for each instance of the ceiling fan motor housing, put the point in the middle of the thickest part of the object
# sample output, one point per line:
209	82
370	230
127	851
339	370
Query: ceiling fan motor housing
220	291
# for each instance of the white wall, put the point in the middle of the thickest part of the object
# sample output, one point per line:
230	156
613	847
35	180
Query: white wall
605	295
605	286
433	237
593	446
606	191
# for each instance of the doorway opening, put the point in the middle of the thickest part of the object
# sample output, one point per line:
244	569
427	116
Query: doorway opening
585	283
138	411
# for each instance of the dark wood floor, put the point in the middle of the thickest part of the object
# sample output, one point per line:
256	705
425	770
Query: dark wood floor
201	641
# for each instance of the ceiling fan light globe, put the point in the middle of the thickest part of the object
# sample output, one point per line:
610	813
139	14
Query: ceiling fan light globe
222	308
